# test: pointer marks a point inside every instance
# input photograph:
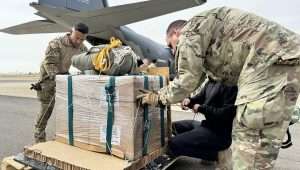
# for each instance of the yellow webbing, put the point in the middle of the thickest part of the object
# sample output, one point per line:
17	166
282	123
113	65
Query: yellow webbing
101	62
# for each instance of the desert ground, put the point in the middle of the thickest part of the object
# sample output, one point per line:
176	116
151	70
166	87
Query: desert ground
17	85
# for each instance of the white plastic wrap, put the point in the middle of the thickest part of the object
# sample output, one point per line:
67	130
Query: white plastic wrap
90	114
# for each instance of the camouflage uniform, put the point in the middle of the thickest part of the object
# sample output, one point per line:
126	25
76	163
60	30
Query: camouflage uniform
258	55
57	61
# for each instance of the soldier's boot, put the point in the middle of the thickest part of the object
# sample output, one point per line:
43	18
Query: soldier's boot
224	160
39	135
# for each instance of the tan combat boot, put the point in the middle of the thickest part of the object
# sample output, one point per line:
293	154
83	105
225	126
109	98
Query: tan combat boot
224	160
39	135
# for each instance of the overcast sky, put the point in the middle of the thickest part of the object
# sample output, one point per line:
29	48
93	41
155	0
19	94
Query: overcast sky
23	53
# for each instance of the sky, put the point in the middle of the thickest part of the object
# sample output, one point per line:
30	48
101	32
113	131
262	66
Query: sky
24	53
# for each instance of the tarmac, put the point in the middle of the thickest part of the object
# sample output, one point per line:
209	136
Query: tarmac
17	115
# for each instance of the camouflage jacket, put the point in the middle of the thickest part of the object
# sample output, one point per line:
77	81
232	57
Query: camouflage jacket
58	56
234	47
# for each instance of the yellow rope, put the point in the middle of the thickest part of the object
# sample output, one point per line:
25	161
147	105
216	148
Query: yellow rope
101	62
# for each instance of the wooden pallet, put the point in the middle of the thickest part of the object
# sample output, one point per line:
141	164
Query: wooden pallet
69	157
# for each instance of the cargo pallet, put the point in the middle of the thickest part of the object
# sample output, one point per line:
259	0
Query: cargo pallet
53	155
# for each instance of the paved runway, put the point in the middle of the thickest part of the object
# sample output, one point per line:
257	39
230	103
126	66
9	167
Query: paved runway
17	117
16	128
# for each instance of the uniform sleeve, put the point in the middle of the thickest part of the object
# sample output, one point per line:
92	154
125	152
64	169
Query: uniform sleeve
190	54
52	56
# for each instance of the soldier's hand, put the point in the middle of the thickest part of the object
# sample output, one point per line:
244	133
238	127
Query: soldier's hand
185	103
37	86
196	108
148	97
32	87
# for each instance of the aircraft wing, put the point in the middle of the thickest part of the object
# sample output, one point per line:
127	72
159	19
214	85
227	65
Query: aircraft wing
98	20
33	27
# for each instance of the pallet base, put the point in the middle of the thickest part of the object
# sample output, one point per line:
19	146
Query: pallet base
68	157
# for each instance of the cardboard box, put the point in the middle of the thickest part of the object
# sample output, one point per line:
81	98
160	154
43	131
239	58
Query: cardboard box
83	118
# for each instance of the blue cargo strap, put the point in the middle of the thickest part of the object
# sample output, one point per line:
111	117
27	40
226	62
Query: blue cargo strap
110	99
147	122
70	110
162	116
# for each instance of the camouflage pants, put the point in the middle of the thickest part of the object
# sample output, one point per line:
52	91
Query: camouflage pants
47	99
260	125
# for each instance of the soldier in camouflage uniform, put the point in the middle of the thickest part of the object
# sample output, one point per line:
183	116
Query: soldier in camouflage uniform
240	48
57	61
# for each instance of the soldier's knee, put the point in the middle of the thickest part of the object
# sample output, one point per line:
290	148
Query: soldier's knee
46	96
47	92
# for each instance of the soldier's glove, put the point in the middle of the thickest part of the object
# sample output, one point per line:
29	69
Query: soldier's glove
36	86
148	97
51	76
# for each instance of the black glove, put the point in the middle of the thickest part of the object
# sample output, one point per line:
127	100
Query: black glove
36	86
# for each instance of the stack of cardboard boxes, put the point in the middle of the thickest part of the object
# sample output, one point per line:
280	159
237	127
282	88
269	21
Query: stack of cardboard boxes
101	114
